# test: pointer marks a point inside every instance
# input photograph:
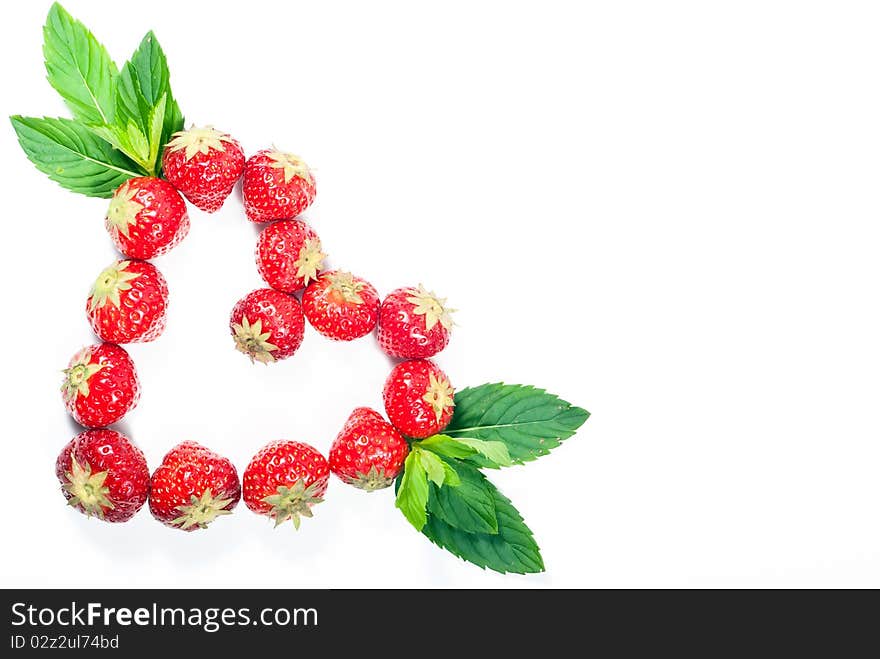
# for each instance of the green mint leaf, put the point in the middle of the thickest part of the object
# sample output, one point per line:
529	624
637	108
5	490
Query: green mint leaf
173	123
450	476
447	446
412	494
116	136
157	122
468	507
131	106
432	465
72	156
494	454
151	68
79	68
511	549
140	147
154	81
145	107
527	420
128	139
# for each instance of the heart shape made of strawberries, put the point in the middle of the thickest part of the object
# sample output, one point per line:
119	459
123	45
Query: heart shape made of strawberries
128	303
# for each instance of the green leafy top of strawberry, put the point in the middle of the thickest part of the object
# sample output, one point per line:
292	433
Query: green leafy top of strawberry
293	502
78	374
87	489
292	165
253	341
123	209
198	140
310	260
112	280
374	479
430	306
346	286
201	511
439	395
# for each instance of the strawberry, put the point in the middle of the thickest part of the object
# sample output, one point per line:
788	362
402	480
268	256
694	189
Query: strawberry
284	480
277	186
289	255
418	398
341	306
146	217
100	386
414	323
267	325
369	452
128	302
192	487
204	164
102	473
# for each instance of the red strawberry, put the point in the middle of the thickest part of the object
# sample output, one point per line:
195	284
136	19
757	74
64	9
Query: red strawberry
289	255
267	325
341	306
414	323
100	386
192	487
418	398
128	302
284	480
146	217
277	186
204	164
102	473
368	453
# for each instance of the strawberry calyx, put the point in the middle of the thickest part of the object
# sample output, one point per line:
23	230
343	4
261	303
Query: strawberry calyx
310	260
198	140
430	306
439	395
291	164
293	502
78	374
109	284
344	286
253	341
123	209
87	489
374	479
201	511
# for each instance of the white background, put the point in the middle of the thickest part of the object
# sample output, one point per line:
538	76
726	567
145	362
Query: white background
663	212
